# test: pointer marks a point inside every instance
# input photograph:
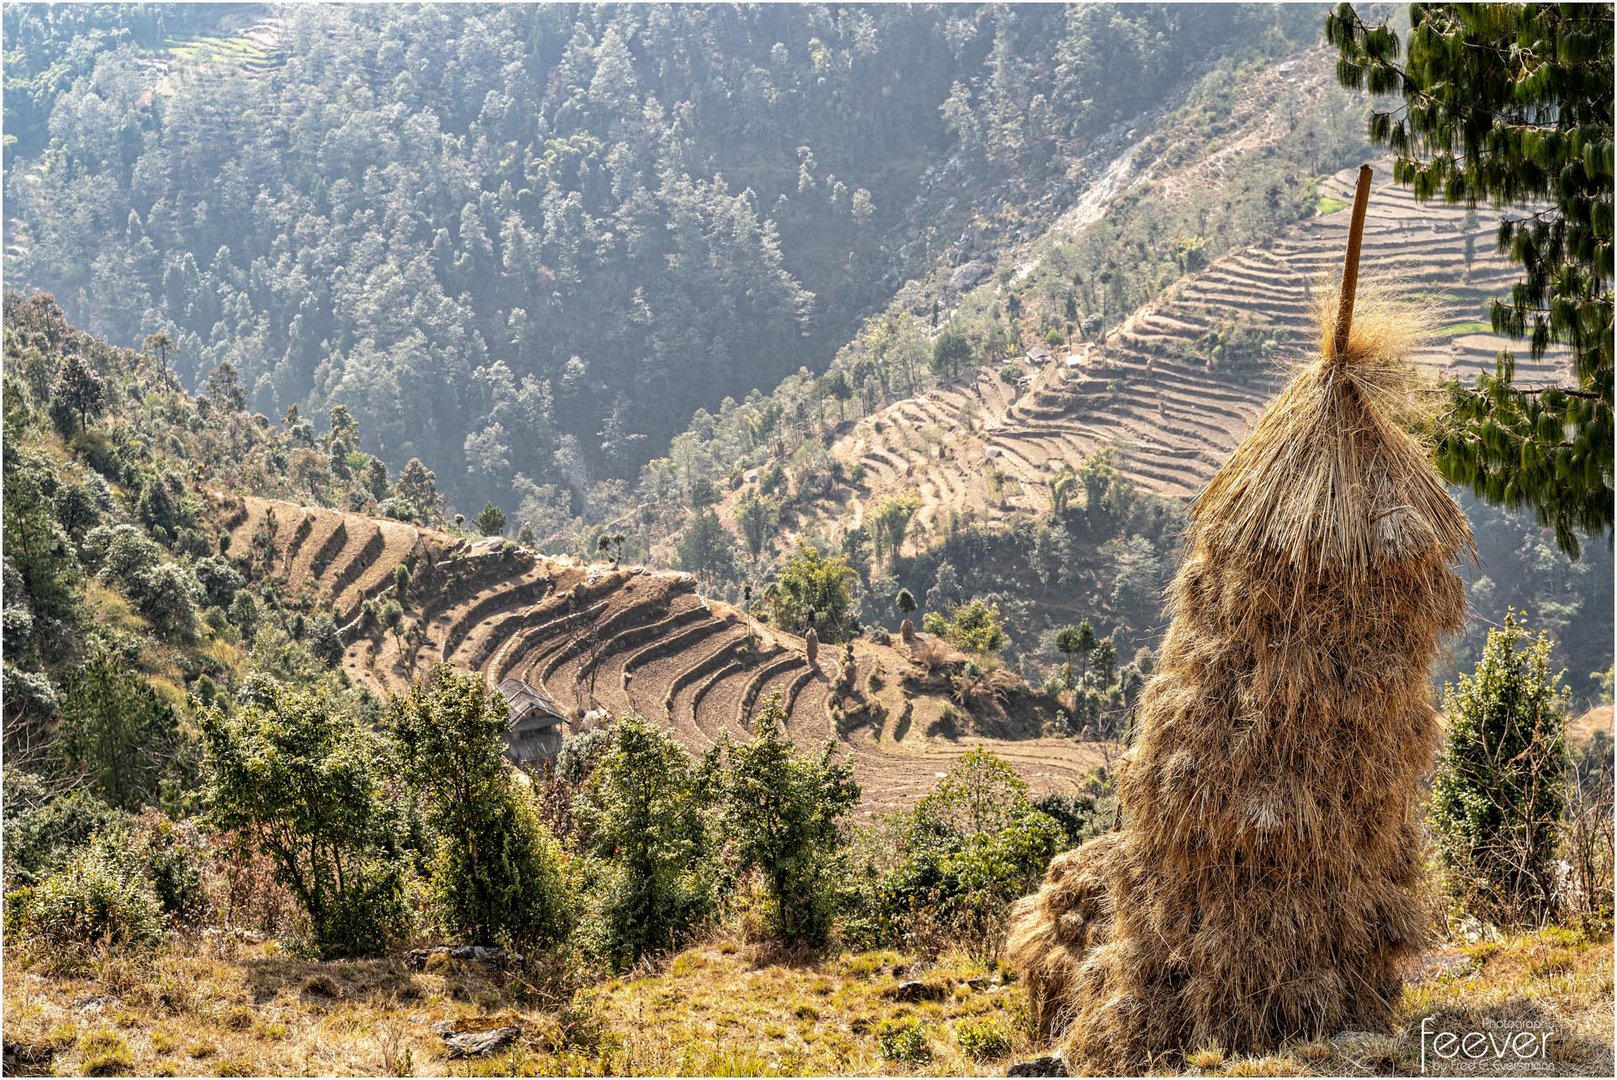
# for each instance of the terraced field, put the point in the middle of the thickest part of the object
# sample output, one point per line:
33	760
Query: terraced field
1150	391
604	639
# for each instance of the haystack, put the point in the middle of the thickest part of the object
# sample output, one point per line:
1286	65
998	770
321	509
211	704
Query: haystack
1267	883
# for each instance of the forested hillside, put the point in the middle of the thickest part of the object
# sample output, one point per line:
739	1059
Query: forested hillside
526	243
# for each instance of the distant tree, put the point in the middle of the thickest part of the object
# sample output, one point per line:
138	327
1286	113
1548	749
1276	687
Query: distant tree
706	546
161	344
418	490
812	589
1076	641
1512	103
116	732
167	596
641	814
904	601
491	521
890	522
224	387
496	874
1103	662
79	389
392	615
1061	488
1500	791
295	775
704	493
611	544
950	353
973	626
781	813
757	514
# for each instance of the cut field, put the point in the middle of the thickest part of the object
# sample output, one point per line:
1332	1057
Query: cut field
614	640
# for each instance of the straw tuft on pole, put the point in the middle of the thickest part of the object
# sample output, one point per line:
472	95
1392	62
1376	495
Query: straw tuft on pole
1267	882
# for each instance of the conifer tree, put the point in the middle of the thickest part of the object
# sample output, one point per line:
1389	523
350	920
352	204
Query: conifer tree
1511	104
1500	789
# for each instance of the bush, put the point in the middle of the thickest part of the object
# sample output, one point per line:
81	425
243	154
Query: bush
904	1040
781	814
97	897
1500	790
641	815
971	847
297	775
39	840
982	1040
497	874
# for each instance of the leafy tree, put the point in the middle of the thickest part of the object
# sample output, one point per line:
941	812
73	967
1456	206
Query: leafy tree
496	876
490	521
757	515
37	550
706	546
781	813
1104	658
298	777
641	814
1076	640
162	344
973	626
890	522
1512	103
224	387
417	489
116	732
1061	489
905	602
1500	791
815	590
79	389
612	544
951	352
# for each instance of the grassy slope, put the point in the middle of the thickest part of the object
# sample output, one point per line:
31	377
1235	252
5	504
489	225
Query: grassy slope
718	1009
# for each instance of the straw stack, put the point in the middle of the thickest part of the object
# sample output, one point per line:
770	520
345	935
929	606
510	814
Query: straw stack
1267	881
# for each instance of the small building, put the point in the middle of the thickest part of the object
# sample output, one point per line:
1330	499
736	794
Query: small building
1074	361
1037	355
535	729
993	453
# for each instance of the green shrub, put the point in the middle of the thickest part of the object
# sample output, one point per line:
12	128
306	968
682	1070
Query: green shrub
904	1040
948	871
1500	791
497	874
782	817
96	897
40	839
641	816
296	775
982	1040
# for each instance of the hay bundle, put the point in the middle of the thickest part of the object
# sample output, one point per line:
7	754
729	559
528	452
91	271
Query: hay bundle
1267	881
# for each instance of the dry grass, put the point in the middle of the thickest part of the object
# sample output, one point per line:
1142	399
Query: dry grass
718	1009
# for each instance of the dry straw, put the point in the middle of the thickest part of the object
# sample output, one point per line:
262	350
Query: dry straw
1267	881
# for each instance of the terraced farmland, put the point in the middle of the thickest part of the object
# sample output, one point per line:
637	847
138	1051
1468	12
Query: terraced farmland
1150	390
600	638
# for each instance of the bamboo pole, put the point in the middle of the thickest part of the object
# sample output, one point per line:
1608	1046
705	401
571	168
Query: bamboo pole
1350	265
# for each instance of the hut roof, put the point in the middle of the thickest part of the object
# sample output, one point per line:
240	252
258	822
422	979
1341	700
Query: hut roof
531	707
1331	477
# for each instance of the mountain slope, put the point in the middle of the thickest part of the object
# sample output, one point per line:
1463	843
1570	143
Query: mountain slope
1174	387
